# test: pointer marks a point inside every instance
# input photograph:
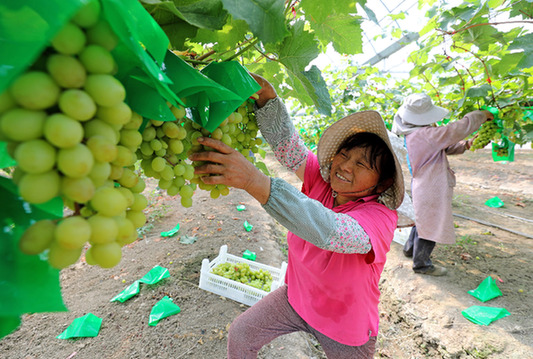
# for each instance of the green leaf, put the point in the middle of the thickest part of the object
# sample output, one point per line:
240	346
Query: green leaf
205	14
318	11
343	31
265	17
178	32
480	91
316	88
262	167
231	34
523	42
298	49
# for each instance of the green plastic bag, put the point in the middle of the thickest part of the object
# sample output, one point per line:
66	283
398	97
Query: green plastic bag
494	202
162	309
486	290
484	315
172	232
247	226
130	291
503	150
86	326
155	275
27	283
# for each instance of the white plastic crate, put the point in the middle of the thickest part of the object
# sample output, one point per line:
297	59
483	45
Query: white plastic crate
231	289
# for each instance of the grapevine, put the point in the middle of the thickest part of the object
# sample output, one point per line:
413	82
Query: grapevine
486	134
242	273
73	136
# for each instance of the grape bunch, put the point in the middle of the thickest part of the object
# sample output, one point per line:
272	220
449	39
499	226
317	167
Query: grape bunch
485	134
502	151
166	146
72	135
242	273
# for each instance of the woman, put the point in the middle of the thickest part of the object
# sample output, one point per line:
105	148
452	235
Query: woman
340	228
433	179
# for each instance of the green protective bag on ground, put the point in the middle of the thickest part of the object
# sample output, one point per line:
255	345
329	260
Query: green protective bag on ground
162	309
155	275
27	283
486	290
494	202
129	292
484	315
86	326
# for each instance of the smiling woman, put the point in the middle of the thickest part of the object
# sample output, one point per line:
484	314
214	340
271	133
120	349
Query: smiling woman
342	222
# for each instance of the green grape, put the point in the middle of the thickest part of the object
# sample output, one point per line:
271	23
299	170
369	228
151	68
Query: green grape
35	156
217	134
139	187
137	217
39	188
7	101
215	193
19	124
189	172
139	202
73	232
224	191
128	178
102	34
37	237
226	139
186	202
130	138
79	190
171	129
97	60
100	173
105	90
186	191
126	231
149	134
173	190
35	90
125	157
88	15
179	170
178	112
167	173
75	161
77	104
118	114
106	255
485	134
164	184
60	257
157	123
66	70
194	137
176	146
102	148
128	195
156	145
70	40
62	131
158	164
99	127
108	202
103	229
135	122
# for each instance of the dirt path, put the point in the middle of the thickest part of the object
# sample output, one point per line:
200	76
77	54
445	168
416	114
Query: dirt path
420	316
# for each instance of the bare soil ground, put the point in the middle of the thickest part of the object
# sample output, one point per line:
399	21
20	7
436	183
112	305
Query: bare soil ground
420	316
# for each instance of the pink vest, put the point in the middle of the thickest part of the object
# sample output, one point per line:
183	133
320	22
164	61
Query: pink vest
335	293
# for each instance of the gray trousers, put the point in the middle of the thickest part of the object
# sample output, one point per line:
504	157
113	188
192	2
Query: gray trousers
420	249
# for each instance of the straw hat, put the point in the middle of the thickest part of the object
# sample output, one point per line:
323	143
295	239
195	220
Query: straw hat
418	109
334	136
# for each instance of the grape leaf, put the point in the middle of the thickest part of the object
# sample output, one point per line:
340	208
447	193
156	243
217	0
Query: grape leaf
225	39
343	31
265	17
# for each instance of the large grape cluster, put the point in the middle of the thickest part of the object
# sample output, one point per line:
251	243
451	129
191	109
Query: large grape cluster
485	134
167	145
72	135
242	273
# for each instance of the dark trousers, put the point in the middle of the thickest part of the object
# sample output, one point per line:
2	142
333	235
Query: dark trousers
420	249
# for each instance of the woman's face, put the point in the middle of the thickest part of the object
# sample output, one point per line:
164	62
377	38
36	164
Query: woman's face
352	176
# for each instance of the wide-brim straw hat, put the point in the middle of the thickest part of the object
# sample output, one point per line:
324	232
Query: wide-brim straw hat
334	136
418	109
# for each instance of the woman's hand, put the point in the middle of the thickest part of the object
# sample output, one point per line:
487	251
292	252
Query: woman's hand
266	92
231	168
489	115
